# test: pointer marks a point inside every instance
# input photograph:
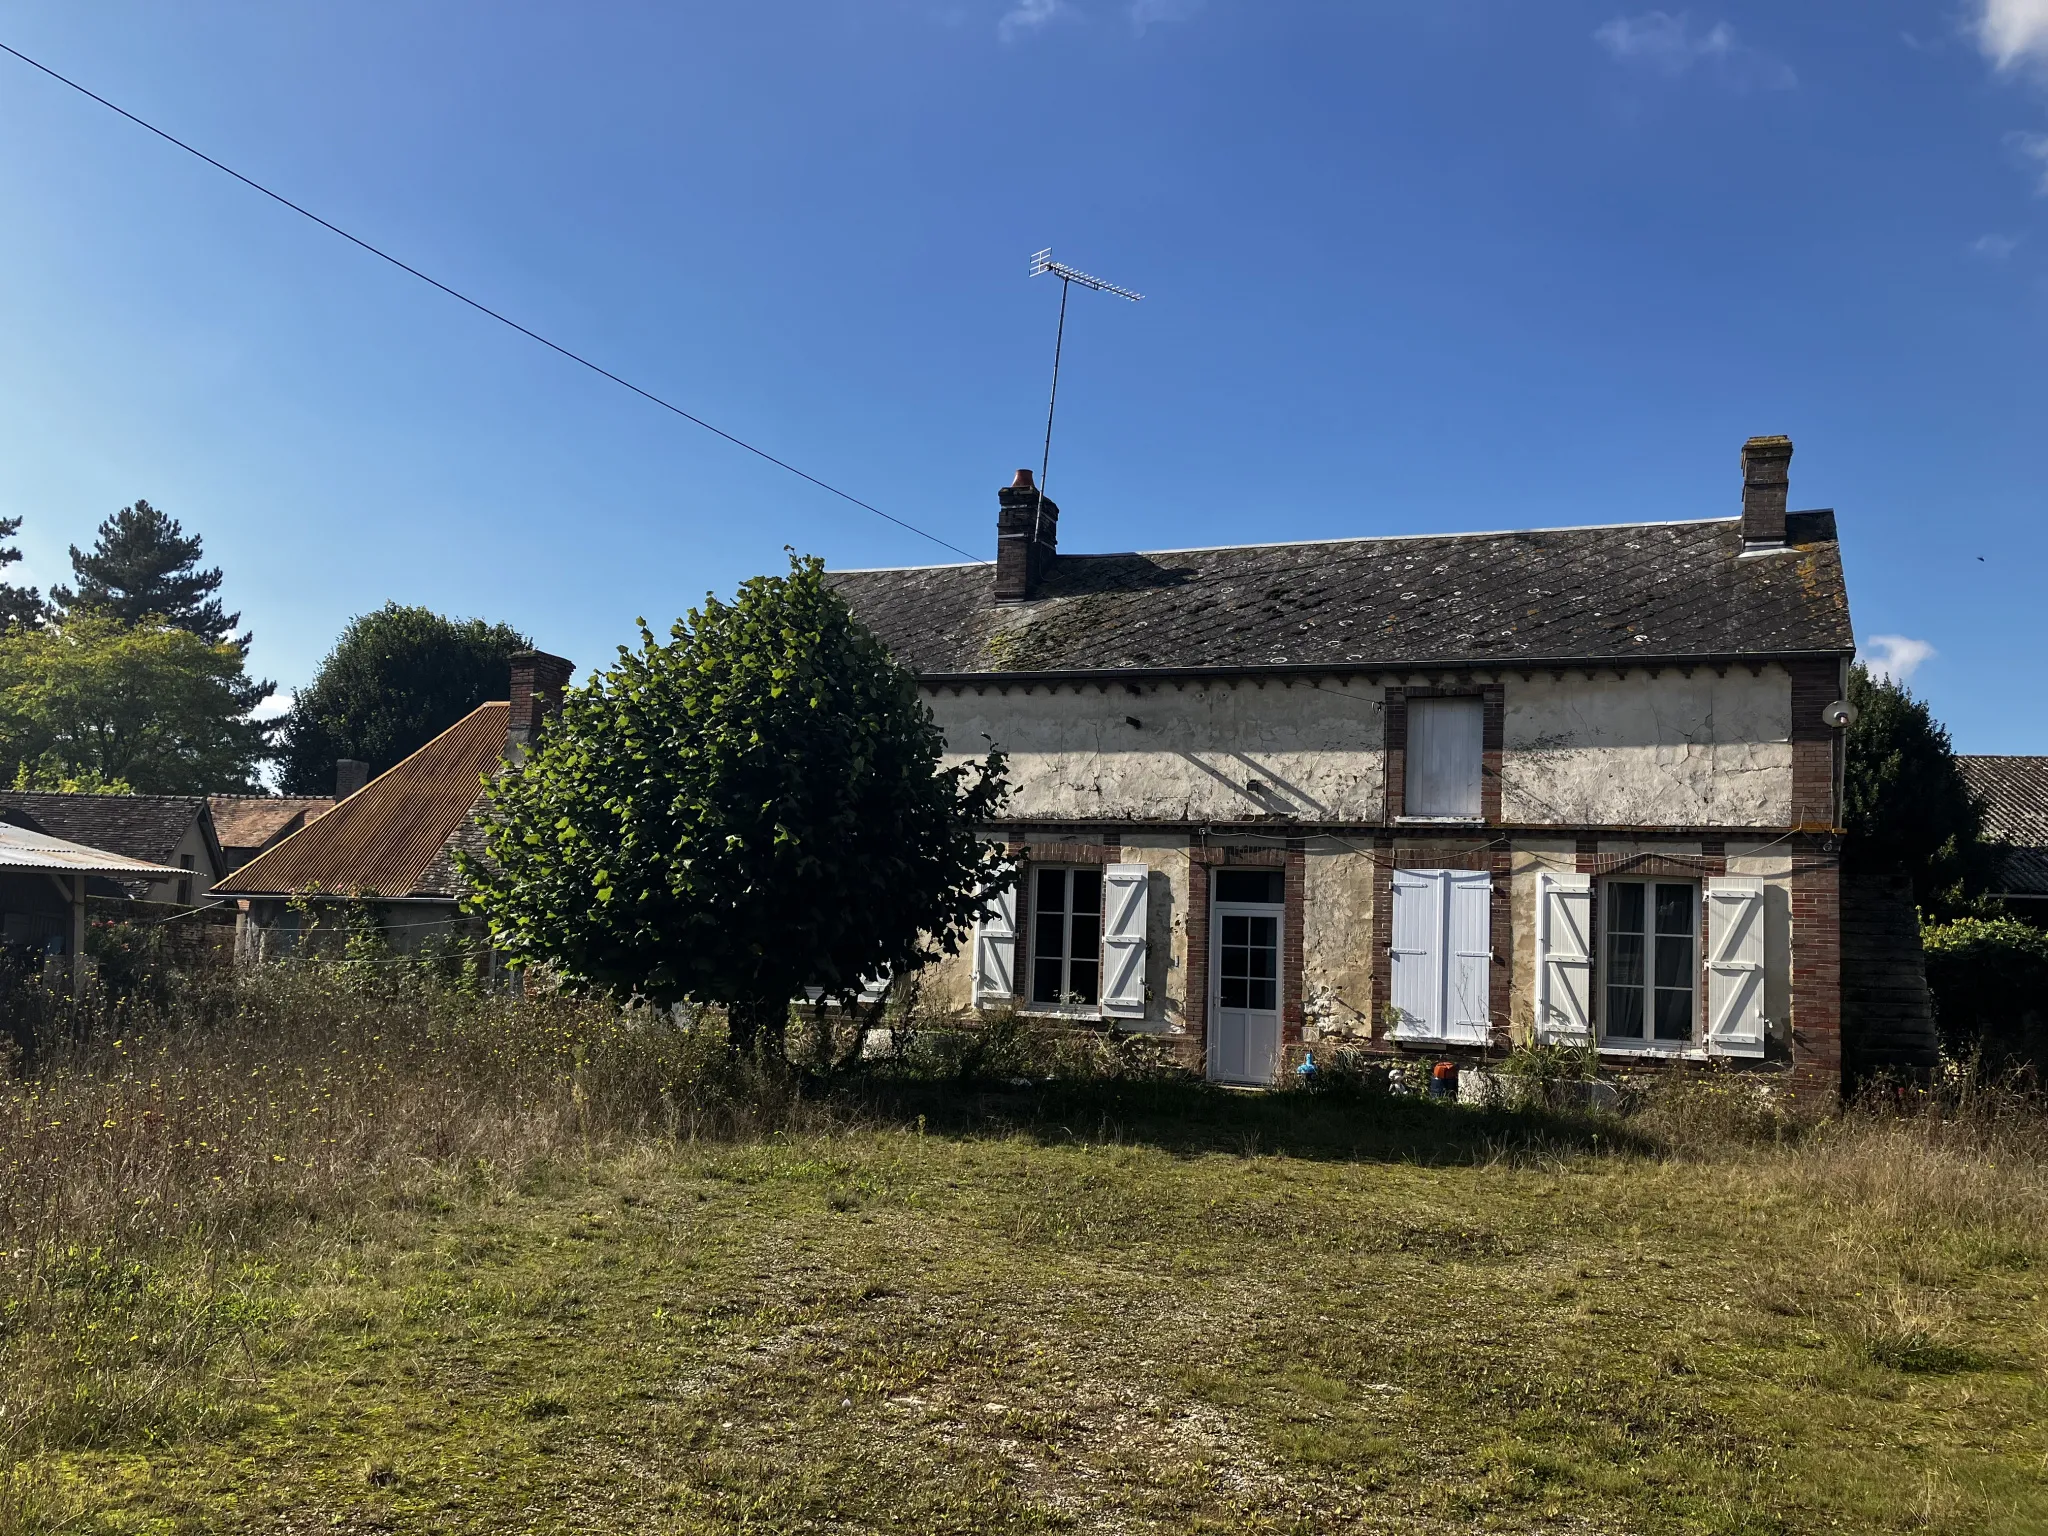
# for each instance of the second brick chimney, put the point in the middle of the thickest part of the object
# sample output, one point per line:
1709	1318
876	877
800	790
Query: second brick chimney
1766	480
1027	538
537	683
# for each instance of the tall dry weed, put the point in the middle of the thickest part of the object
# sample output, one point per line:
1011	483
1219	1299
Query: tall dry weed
154	1143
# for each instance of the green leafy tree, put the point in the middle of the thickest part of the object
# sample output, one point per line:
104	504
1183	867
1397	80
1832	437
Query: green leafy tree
96	702
394	681
756	806
142	565
1905	801
20	607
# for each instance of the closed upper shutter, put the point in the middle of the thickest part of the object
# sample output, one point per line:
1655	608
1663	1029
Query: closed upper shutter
1468	979
1446	741
1735	966
995	949
1564	959
1124	889
1418	987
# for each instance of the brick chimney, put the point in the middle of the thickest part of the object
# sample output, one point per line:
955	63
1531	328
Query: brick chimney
350	775
1027	538
1766	477
537	683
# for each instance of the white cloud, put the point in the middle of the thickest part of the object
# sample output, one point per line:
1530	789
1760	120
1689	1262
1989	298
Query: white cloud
272	706
2034	147
1145	12
1669	44
2013	32
1995	247
1028	16
1893	658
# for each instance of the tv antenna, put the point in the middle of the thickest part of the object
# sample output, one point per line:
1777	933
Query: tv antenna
1041	264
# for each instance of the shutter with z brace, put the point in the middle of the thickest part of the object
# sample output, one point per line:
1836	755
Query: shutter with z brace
995	950
1735	966
1124	891
1564	959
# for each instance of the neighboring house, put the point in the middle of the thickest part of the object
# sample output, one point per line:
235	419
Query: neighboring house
251	824
43	882
1433	793
2014	791
389	847
174	832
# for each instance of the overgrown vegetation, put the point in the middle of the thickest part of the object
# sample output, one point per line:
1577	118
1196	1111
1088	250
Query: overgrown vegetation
1904	800
1989	978
342	1245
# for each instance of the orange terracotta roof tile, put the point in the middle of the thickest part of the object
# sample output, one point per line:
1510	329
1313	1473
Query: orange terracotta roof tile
386	836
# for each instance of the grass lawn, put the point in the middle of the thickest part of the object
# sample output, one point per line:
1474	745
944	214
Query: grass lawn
1106	1308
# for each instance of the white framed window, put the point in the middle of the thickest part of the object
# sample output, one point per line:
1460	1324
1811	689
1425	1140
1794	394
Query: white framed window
1650	964
1446	747
1066	936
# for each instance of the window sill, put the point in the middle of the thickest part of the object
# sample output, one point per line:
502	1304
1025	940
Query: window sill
1439	821
1677	1049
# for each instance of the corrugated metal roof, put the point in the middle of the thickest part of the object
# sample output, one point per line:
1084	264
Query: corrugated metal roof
385	837
22	849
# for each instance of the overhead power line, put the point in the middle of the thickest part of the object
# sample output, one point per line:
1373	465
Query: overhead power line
485	309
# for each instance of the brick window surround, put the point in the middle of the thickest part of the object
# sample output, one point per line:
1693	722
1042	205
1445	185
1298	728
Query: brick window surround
1493	722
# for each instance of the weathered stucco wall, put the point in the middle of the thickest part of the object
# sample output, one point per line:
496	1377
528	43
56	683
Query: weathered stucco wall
1315	751
1644	751
1638	750
1336	940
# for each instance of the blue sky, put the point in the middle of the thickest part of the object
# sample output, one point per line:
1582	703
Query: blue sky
1410	266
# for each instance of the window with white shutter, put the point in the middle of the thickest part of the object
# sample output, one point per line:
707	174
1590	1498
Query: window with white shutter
1649	930
1735	966
995	950
1446	740
1564	959
1125	888
1443	955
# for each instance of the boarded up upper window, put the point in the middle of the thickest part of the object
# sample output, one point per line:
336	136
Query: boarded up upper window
1445	745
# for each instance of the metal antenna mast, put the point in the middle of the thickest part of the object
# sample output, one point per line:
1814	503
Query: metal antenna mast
1042	263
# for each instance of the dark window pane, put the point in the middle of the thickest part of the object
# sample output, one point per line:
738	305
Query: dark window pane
1081	981
1625	908
1233	991
1045	980
1264	962
1088	891
1087	940
1674	909
1048	936
1625	1013
1249	885
1265	995
1674	962
1674	1014
1052	890
1237	930
1625	960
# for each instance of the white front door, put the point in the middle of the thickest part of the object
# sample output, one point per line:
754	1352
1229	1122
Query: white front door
1244	996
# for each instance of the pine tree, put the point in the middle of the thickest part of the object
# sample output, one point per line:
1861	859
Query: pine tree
143	564
20	607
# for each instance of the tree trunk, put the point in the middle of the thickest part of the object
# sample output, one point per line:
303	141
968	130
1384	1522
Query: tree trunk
757	1026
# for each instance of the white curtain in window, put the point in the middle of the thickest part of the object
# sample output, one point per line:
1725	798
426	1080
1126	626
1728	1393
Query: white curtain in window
1445	747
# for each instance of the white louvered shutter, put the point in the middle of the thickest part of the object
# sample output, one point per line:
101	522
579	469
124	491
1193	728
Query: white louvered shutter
995	950
1124	891
1735	966
1418	986
1468	980
1564	959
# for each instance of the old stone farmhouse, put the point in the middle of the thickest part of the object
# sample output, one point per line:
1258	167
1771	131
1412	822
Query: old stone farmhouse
1430	793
